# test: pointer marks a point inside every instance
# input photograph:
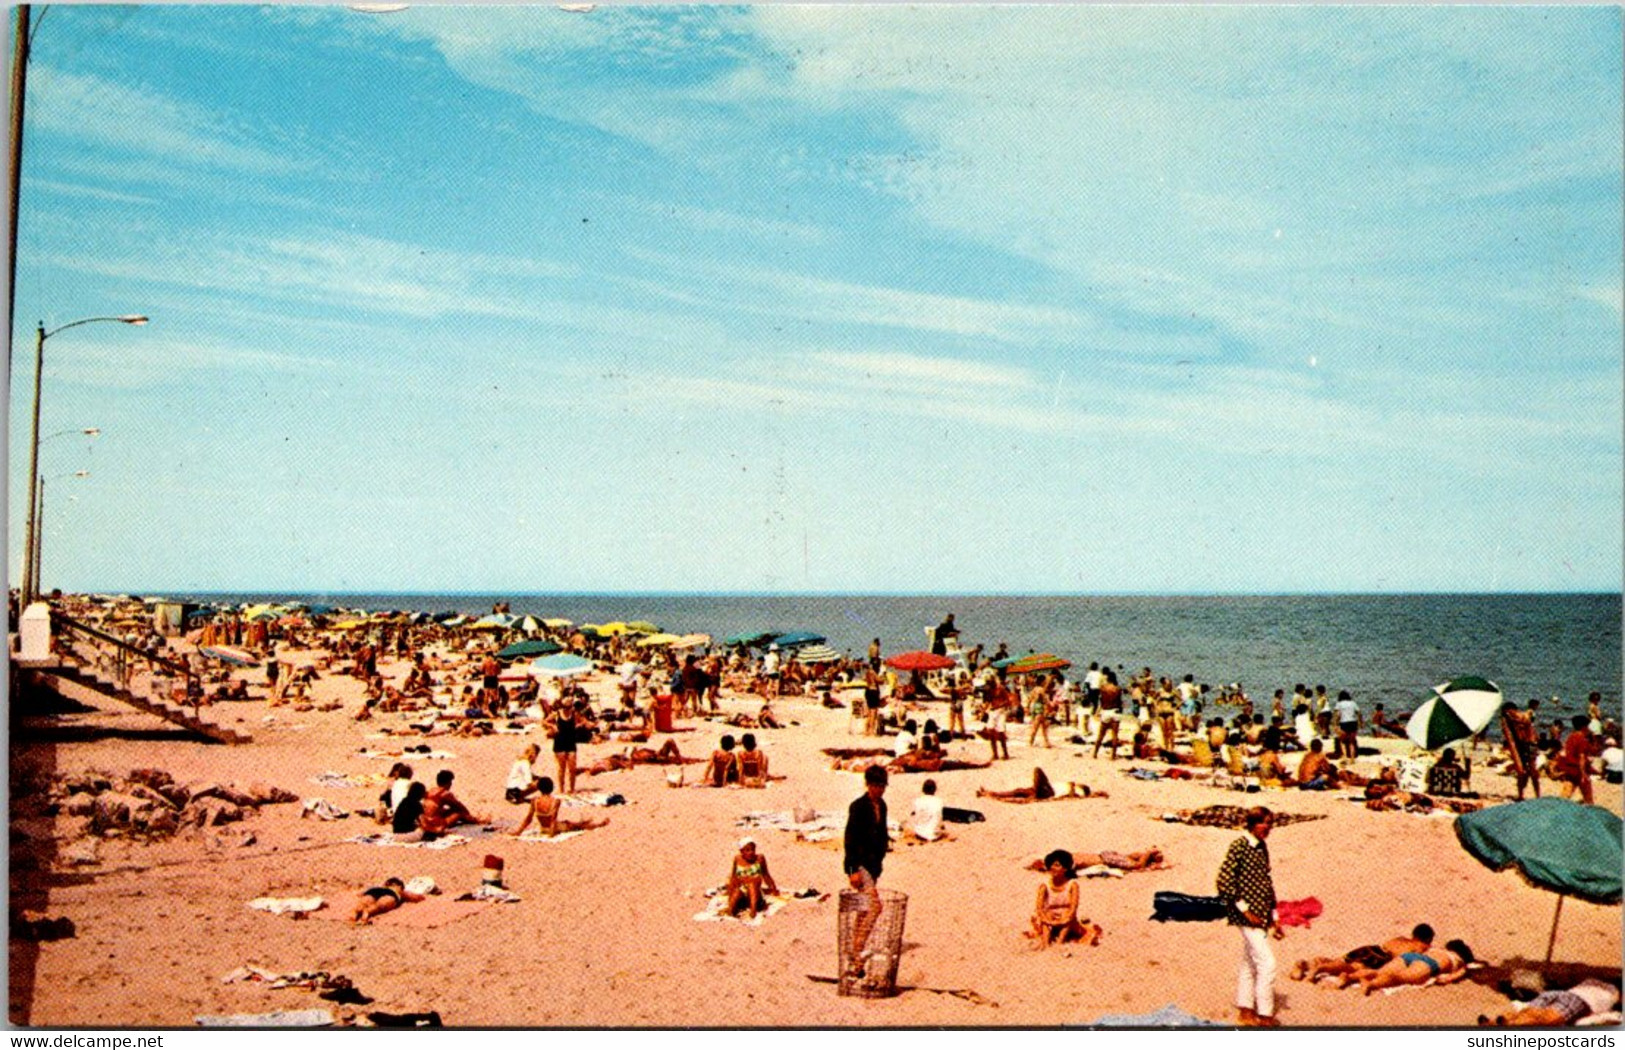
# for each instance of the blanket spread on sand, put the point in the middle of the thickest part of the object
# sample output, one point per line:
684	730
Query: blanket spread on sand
594	798
1222	816
286	905
423	915
274	1019
328	778
716	909
1169	1016
384	838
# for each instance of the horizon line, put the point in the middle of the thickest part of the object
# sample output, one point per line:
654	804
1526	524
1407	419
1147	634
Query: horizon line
659	593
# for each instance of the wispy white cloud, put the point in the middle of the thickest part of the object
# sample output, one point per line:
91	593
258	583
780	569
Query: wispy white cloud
785	293
158	362
914	369
140	121
71	189
719	220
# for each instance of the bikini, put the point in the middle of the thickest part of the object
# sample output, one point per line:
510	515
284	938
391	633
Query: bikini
748	871
378	893
1416	957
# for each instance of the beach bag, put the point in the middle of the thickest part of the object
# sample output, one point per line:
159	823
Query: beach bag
1168	906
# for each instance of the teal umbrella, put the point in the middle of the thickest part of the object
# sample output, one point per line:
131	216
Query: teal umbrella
751	638
1558	845
795	638
562	665
1458	709
533	647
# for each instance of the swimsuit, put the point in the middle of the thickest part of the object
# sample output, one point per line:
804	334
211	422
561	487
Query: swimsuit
748	871
378	893
1416	957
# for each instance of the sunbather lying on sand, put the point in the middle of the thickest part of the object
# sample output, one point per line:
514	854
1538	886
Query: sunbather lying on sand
1367	958
747	877
377	900
1553	1009
1442	966
1055	913
668	755
1041	791
544	809
1146	860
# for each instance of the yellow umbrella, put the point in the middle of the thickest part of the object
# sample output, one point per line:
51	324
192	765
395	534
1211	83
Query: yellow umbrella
558	621
691	641
613	628
658	639
349	625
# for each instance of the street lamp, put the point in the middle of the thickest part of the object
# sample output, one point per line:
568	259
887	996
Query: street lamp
39	510
39	497
29	569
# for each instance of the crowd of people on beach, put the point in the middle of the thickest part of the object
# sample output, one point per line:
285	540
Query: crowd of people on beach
458	682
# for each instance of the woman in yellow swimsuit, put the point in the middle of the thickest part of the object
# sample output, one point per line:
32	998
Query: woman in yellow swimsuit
747	879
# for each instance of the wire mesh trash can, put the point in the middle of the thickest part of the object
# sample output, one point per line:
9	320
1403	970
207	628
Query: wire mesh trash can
871	973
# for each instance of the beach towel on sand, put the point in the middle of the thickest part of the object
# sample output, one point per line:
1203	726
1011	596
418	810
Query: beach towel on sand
1169	1016
286	905
274	1019
536	836
716	910
384	838
423	915
1298	913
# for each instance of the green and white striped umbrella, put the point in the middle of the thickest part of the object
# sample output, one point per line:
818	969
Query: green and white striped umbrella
1462	707
817	654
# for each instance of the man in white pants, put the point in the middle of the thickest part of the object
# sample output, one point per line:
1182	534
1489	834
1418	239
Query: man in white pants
1247	886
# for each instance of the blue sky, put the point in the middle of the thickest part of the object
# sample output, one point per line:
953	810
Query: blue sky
826	299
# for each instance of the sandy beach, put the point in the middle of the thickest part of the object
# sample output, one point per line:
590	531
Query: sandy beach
606	934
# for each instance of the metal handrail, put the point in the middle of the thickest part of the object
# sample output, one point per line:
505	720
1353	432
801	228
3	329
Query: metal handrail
126	650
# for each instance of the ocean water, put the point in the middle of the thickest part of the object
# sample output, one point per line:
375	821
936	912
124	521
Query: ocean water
1387	649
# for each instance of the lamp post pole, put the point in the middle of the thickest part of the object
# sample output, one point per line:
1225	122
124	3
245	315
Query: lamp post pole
39	533
33	477
32	535
39	498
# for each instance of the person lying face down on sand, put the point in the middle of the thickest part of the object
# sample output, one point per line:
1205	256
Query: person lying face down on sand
544	810
1041	791
1145	860
1442	966
1055	912
747	878
1367	958
668	755
377	900
1555	1009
